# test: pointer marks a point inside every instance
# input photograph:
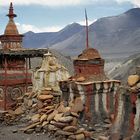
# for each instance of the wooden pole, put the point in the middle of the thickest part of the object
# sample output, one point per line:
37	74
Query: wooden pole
87	39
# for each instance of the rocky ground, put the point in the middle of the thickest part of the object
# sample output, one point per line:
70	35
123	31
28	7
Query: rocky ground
11	133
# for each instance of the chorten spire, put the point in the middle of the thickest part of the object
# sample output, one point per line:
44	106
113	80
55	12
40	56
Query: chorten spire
11	39
11	14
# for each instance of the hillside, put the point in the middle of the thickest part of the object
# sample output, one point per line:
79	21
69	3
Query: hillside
125	68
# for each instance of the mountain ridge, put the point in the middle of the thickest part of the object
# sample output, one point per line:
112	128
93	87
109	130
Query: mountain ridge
113	34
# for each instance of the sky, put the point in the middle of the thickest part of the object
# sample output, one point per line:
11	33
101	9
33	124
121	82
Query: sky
53	15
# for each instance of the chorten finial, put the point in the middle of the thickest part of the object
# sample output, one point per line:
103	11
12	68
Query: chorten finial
11	14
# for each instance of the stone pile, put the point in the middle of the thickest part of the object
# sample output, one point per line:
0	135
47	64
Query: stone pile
44	113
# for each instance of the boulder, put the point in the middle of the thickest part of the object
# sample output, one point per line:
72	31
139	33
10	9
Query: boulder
133	79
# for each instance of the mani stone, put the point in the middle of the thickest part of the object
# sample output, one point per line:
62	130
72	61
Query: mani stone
133	79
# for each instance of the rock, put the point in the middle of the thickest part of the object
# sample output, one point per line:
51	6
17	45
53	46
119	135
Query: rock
52	127
61	132
133	89
40	104
78	105
87	134
19	111
48	89
36	118
74	114
11	112
58	116
44	123
74	121
62	109
138	85
66	119
59	124
43	118
70	128
29	131
80	136
45	97
15	131
72	137
52	115
38	128
30	102
103	138
80	79
45	92
30	126
49	107
133	79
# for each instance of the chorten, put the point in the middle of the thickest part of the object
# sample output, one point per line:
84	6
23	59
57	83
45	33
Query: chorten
11	39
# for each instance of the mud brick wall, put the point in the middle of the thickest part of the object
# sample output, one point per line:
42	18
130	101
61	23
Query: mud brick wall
127	117
98	99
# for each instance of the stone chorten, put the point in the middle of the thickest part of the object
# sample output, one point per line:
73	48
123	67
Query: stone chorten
90	65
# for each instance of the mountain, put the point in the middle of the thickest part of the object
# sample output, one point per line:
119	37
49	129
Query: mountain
114	37
117	35
125	68
37	40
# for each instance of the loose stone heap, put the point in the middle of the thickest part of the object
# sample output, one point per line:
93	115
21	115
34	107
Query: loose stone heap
43	112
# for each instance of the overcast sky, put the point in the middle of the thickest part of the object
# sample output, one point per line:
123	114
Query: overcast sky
53	15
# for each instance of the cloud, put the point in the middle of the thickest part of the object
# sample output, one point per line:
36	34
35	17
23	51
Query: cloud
44	2
54	3
28	27
134	2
